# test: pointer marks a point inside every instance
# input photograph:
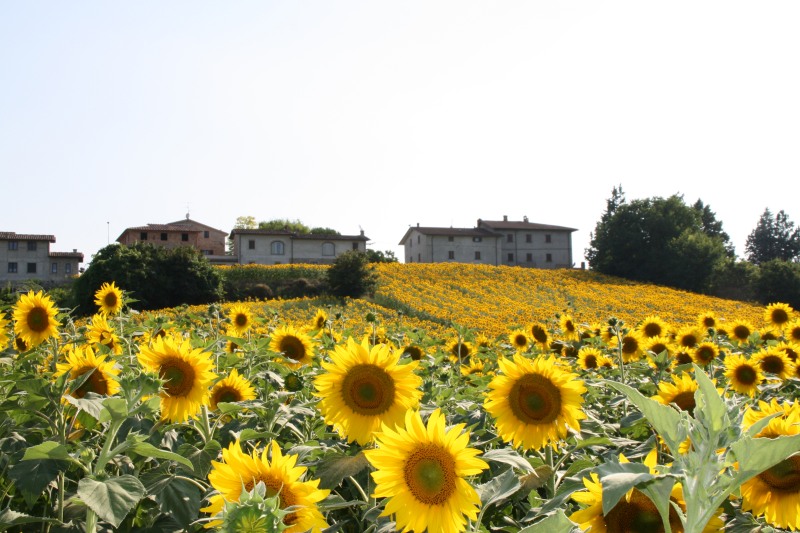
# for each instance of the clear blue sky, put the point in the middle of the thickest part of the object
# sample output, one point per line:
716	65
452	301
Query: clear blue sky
381	115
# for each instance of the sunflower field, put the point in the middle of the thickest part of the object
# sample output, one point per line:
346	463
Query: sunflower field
458	398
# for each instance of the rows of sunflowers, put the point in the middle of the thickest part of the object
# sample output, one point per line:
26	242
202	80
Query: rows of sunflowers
314	415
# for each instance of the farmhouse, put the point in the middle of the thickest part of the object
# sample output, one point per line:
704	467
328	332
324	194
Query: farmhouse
209	241
492	242
272	247
28	257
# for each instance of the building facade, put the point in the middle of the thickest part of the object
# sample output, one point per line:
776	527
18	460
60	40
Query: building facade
492	242
273	247
207	240
25	257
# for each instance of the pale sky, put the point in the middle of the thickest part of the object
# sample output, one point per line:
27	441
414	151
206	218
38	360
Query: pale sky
380	115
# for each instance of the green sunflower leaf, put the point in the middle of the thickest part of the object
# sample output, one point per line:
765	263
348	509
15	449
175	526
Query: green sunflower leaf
757	455
332	470
47	450
555	523
507	456
499	488
114	409
618	478
146	449
710	407
111	499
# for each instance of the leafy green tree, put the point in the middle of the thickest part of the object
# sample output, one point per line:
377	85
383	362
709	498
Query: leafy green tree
773	238
713	227
657	240
352	275
153	276
284	224
378	256
778	281
323	231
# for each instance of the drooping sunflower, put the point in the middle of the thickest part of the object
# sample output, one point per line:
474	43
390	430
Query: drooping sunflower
234	388
414	352
775	362
538	333
705	352
108	298
631	345
186	373
569	329
740	331
591	358
320	320
743	376
519	340
687	337
778	314
241	319
421	469
239	471
101	333
652	326
20	344
769	334
35	318
296	347
534	402
459	349
363	387
680	392
102	378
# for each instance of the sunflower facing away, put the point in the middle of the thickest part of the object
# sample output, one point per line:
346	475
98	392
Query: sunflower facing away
35	318
4	337
234	388
538	333
421	470
102	379
319	320
295	346
186	373
101	333
364	387
534	402
239	472
109	299
778	314
241	319
743	376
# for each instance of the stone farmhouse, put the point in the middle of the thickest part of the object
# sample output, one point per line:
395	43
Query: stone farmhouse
28	258
492	242
272	247
209	241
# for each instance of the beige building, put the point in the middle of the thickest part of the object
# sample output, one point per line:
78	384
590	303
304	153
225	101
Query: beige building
28	258
187	232
272	247
492	242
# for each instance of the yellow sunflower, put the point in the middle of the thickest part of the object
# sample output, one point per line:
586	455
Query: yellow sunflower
778	314
590	358
786	411
4	337
109	299
82	360
482	342
185	371
538	333
234	388
790	349
659	344
688	337
364	387
100	332
682	357
421	470
680	392
320	320
705	352
744	377
35	318
775	362
296	347
280	474
518	340
459	349
792	331
534	402
20	345
241	319
632	346
769	334
740	331
652	326
569	329
474	367
707	320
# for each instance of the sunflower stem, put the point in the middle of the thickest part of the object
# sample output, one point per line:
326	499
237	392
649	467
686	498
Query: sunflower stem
551	480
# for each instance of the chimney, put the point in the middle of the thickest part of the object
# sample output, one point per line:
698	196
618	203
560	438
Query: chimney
74	250
505	218
417	224
525	218
362	232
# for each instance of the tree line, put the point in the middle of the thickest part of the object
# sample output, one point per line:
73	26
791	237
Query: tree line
669	242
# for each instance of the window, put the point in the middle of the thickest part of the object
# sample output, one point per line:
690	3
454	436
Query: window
547	238
477	239
207	252
206	235
185	237
549	258
12	268
328	249
477	256
451	254
510	237
251	244
54	268
31	246
450	238
31	268
355	246
419	258
143	236
528	237
13	245
417	239
163	236
276	248
529	258
510	258
68	268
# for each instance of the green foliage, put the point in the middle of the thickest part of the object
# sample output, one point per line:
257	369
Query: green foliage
284	224
352	275
658	240
779	281
773	238
734	280
378	256
153	276
264	282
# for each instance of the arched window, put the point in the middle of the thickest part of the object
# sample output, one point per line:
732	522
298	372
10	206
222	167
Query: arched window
276	248
328	249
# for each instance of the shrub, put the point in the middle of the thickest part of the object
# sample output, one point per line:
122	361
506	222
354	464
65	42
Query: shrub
352	275
779	281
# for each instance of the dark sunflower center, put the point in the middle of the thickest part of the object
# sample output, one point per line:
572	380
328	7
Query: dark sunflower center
430	474
460	350
590	361
293	348
685	401
709	322
275	486
539	334
227	394
20	344
232	346
96	382
178	376
520	341
320	322
638	515
705	354
784	476
110	300
745	374
368	390
688	341
38	319
652	329
658	348
779	316
741	332
683	358
535	400
241	320
794	334
569	326
772	364
414	352
629	345
791	354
